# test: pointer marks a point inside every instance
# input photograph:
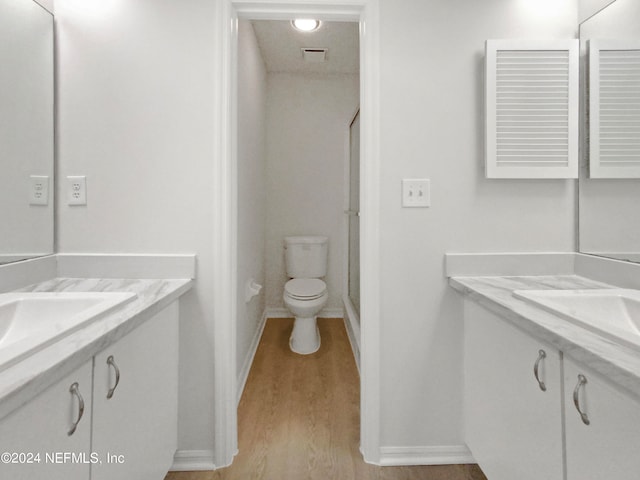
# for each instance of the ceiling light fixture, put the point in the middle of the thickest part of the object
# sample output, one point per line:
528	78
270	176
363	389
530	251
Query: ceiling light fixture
305	24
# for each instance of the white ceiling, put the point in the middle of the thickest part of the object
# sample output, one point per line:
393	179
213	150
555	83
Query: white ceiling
280	45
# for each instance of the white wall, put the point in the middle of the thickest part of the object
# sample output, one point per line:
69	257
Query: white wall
432	127
252	97
587	8
308	118
135	115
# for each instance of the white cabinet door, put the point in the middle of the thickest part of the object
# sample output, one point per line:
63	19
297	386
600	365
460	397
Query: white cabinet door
42	428
136	428
513	427
609	447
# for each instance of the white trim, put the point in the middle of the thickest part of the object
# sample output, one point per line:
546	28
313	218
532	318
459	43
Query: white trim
20	274
327	10
354	319
331	313
21	257
192	460
225	219
281	312
223	335
277	312
110	265
370	232
352	326
438	455
248	361
615	272
509	263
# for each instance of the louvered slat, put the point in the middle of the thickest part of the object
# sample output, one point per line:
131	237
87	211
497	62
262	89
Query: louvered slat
614	75
531	106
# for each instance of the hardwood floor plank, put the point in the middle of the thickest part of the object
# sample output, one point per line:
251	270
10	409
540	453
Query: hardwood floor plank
299	417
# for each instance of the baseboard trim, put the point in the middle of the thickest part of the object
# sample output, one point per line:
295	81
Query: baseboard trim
280	312
332	313
193	460
352	325
437	455
248	361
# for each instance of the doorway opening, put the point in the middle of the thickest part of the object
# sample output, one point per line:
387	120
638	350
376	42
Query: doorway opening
228	289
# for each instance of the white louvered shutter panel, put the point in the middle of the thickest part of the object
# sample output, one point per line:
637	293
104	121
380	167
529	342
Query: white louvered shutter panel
614	109
532	108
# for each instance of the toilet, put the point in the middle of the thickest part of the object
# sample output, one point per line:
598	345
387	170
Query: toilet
305	294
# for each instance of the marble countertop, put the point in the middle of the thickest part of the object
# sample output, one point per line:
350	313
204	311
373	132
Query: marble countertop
24	380
618	363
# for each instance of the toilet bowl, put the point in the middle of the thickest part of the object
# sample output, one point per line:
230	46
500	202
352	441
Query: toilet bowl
305	297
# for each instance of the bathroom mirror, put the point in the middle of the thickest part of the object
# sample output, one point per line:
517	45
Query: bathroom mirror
26	130
609	209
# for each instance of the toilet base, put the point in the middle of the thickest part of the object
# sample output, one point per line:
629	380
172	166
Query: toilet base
305	337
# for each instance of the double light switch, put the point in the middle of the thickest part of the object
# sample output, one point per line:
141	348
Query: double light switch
416	192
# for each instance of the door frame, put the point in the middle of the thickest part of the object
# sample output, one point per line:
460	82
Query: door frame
366	12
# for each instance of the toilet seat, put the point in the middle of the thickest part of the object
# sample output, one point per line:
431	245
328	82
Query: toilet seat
305	288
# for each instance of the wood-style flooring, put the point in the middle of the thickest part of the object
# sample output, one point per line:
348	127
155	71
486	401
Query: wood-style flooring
299	417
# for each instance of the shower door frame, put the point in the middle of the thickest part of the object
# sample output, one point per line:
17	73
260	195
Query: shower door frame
366	13
352	317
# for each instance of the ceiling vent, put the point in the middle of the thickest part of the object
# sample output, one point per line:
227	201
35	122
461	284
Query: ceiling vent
314	55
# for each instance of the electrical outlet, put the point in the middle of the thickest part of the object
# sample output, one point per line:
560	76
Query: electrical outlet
416	192
76	190
38	190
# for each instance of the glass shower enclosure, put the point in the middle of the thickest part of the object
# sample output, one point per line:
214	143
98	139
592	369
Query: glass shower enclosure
351	293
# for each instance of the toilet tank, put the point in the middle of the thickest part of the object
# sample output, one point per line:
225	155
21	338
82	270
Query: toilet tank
306	257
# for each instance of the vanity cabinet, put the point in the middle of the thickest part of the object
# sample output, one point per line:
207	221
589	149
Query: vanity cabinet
135	402
517	430
606	448
128	429
40	435
513	415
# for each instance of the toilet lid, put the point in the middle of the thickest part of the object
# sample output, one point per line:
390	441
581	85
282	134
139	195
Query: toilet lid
305	288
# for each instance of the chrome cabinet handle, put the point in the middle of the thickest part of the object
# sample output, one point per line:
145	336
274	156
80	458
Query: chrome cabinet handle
582	380
111	362
75	390
541	355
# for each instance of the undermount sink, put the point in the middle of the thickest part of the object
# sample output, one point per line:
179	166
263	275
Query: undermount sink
31	321
611	313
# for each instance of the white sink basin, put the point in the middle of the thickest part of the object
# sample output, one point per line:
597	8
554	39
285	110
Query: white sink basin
32	321
611	313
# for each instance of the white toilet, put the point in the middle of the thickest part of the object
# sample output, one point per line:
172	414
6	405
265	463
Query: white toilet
305	294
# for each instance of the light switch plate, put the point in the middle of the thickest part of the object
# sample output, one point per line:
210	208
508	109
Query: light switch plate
76	190
416	192
38	190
